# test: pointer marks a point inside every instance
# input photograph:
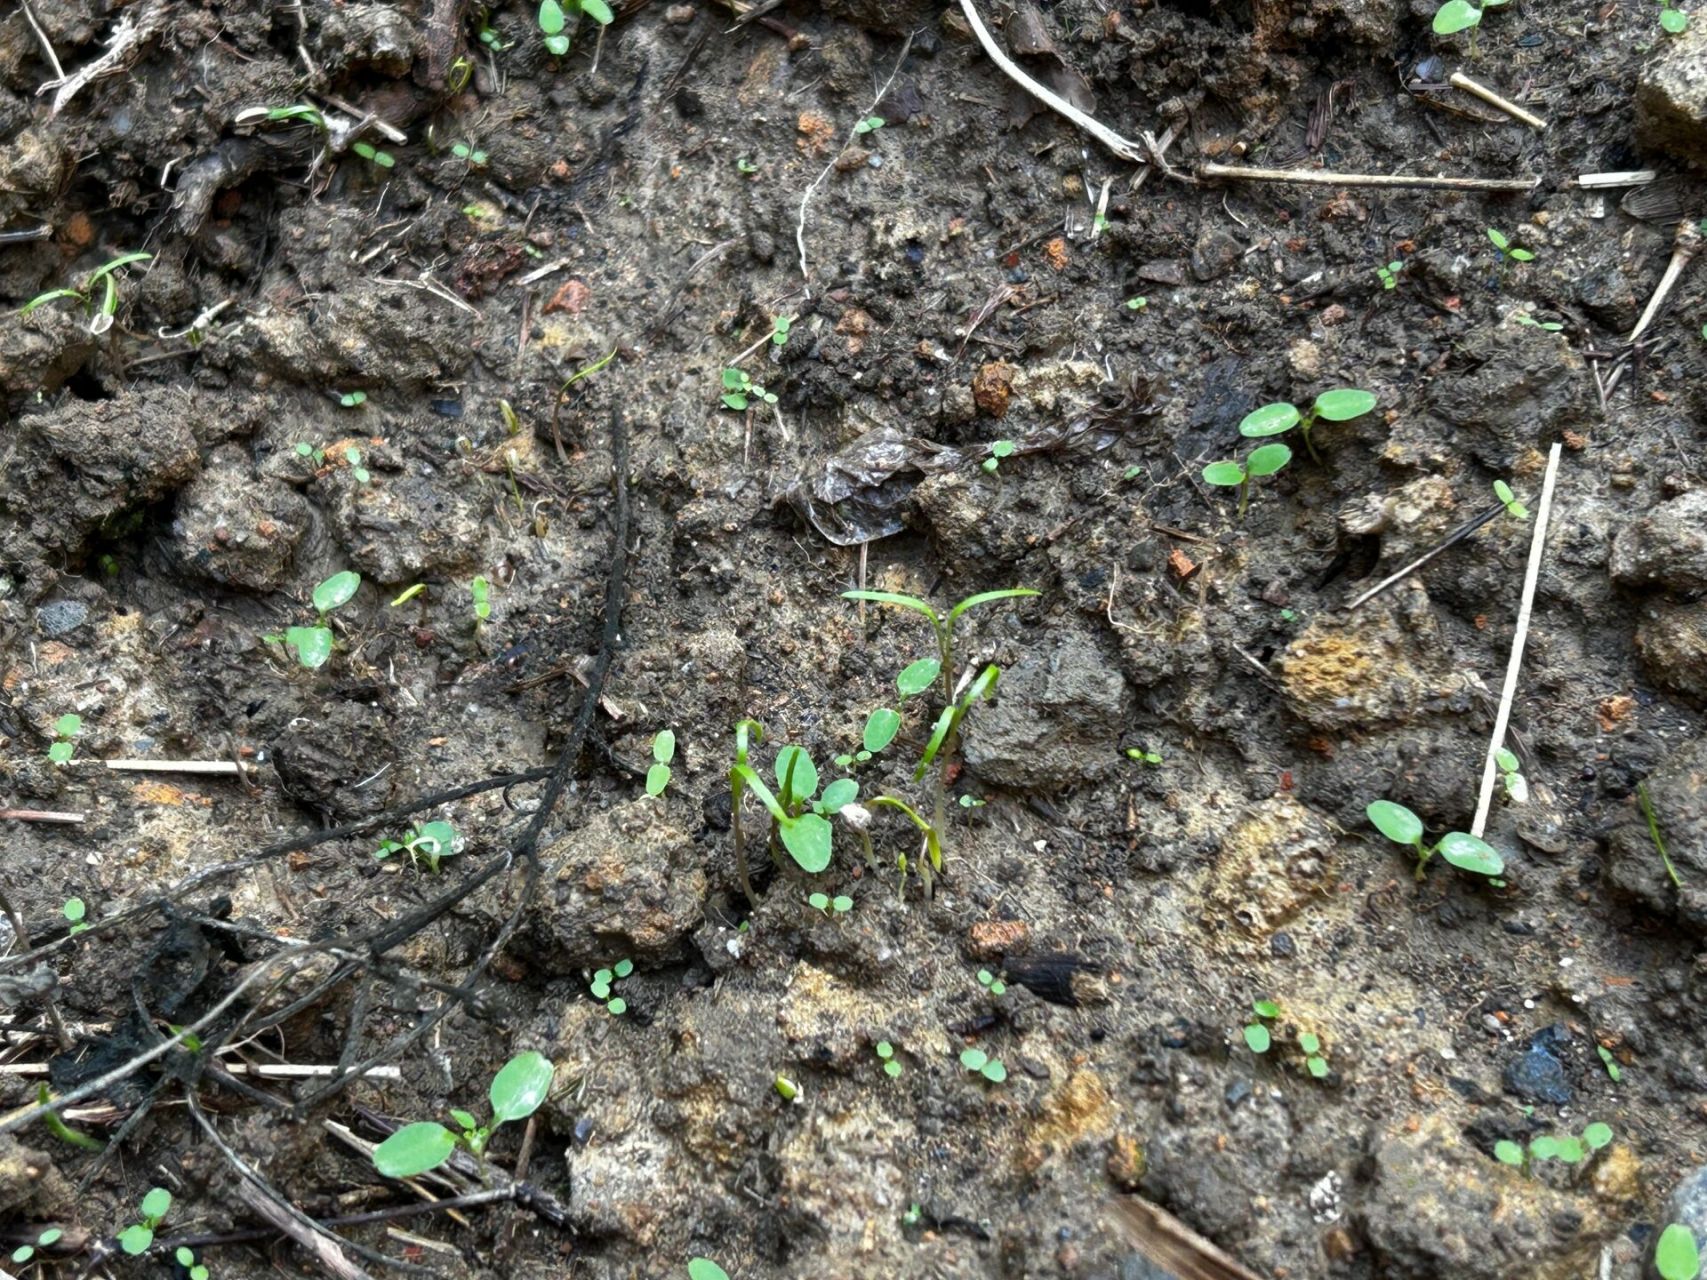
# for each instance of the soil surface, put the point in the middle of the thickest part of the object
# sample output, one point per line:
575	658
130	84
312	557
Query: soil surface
472	322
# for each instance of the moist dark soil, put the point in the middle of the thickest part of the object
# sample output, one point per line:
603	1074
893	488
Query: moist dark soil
497	351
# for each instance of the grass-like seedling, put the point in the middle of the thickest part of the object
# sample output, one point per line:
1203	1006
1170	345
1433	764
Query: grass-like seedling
313	645
138	1238
705	1269
516	1092
886	1055
297	113
980	1063
604	979
373	155
1257	1036
105	277
999	449
1673	21
841	904
431	840
1513	508
991	983
65	729
1462	850
663	751
1566	1149
1677	1254
1507	253
46	1240
1511	775
75	910
554	17
739	390
1654	832
1262	461
1342	404
1610	1063
1389	274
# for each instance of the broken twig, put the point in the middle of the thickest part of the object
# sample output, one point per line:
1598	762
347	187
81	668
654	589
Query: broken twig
40	815
1451	540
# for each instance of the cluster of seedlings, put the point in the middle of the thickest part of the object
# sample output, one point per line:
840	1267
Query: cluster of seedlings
1338	405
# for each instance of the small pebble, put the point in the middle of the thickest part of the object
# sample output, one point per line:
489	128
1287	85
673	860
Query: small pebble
61	616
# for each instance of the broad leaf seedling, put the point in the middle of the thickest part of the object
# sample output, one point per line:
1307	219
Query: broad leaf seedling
1513	508
553	18
517	1091
75	910
431	840
1673	21
1257	1036
138	1238
1566	1150
999	449
373	155
1516	786
313	645
841	904
1389	274
1462	850
663	752
1677	1255
1341	404
980	1063
871	124
24	1252
1262	461
705	1269
886	1055
67	727
603	980
1508	254
991	983
739	390
1460	15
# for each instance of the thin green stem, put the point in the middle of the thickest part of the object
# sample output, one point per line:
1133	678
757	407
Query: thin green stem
1654	831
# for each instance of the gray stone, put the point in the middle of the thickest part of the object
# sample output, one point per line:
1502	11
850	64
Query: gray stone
61	617
1055	722
1671	96
1678	791
1672	639
1667	547
1214	255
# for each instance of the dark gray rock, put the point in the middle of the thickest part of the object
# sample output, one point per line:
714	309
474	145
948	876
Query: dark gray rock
1537	1075
1671	96
1672	640
1215	254
1056	721
1667	547
1678	791
61	617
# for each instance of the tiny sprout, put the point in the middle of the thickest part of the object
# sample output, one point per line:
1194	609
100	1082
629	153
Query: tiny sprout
789	1091
981	1063
914	1215
886	1052
991	983
999	449
65	728
74	912
1507	253
1314	1062
1263	461
1462	850
1341	404
1673	21
1143	756
1513	508
1138	303
1256	1034
432	841
1551	326
23	1253
517	1091
352	399
138	1238
840	904
1389	274
481	590
739	390
971	802
1677	1256
353	456
1611	1064
603	980
1515	784
744	165
373	155
705	1269
663	752
779	330
870	124
462	151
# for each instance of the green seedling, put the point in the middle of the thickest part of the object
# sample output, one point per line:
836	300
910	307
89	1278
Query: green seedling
362	475
313	453
971	802
786	1089
739	390
352	399
1460	15
1673	21
881	726
886	1054
991	983
841	904
1462	850
705	1269
101	311
802	827
1138	303
554	18
1610	1063
186	1258
1314	1061
1508	254
490	37
1342	404
47	1239
74	911
1513	508
604	979
516	1092
980	1063
871	124
1567	1149
67	727
373	155
914	1216
1516	786
431	840
779	330
1677	1255
313	645
663	751
481	591
64	1132
1389	274
1143	756
298	113
475	157
1654	833
1551	326
1262	461
1257	1036
999	449
746	166
460	73
138	1238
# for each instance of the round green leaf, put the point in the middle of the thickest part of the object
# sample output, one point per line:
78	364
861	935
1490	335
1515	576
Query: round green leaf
157	1203
1395	821
198	1272
1265	1008
891	1068
705	1269
805	784
1270	420
1467	853
1318	1067
435	838
550	17
1508	1152
1257	1038
68	725
313	645
336	590
23	1253
843	791
1597	1136
882	725
1343	403
807	840
520	1086
1677	1256
1224	473
1674	21
818	901
414	1149
559	45
1455	16
1268	459
918	676
61	752
136	1238
664	746
1572	1151
657	778
973	1059
885	1050
598	11
600	990
617	1007
623	968
75	909
994	1071
1309	1043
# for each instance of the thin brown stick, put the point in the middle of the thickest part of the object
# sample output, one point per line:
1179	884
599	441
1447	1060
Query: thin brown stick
40	815
1326	178
1451	540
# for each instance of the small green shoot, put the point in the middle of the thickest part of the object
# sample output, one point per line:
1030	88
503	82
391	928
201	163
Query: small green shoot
1341	404
1262	461
67	727
1460	15
1143	756
475	157
1513	508
362	475
1389	274
999	449
991	983
1137	304
313	645
24	1252
980	1063
138	1238
1613	1072
779	330
516	1092
554	15
1673	21
1508	254
352	399
64	1132
663	751
603	980
881	726
100	312
1677	1255
786	1089
823	902
886	1054
1516	786
739	390
1654	832
431	840
1257	1036
746	166
297	113
373	155
1565	1149
871	124
481	591
74	910
1314	1061
705	1269
1462	850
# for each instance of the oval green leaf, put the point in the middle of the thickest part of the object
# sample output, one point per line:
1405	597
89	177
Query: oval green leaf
550	17
1677	1256
1343	403
313	645
1467	853
135	1239
805	783
994	1071
336	590
520	1086
841	792
61	752
1597	1136
623	968
157	1203
1455	16
68	725
657	778
664	746
882	725
973	1059
1270	420
1268	459
1395	821
435	839
705	1269
918	676
74	909
1224	473
1257	1039
464	1118
1508	1152
598	11
1674	21
807	840
414	1149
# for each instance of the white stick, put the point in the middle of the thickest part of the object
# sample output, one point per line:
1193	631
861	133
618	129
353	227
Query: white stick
1323	178
1461	81
266	1070
1619	178
225	768
1490	770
